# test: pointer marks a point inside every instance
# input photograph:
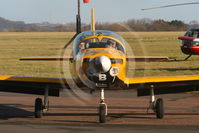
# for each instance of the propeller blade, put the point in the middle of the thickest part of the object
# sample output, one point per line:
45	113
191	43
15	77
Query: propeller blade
70	41
182	4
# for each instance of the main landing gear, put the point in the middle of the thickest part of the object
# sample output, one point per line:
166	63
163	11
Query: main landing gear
102	108
156	105
41	108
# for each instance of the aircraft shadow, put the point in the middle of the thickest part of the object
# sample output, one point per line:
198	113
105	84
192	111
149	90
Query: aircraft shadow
137	115
112	116
95	107
13	111
132	112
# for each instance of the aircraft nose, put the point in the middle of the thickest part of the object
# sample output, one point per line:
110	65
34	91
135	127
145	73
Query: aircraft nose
103	63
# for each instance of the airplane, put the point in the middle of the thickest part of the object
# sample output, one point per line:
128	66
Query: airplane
98	62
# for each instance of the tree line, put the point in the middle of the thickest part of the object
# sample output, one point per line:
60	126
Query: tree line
148	25
129	25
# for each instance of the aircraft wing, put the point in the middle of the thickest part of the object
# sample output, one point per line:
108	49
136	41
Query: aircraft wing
164	85
147	58
47	58
33	85
129	58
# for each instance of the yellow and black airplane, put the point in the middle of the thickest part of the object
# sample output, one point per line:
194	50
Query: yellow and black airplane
99	61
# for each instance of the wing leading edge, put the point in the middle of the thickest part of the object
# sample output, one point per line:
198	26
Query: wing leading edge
45	58
129	58
32	85
161	85
147	58
164	85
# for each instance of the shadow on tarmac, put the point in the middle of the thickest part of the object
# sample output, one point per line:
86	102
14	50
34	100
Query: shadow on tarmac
13	111
8	111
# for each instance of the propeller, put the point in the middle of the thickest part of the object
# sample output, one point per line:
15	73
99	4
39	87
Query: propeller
182	4
78	24
70	41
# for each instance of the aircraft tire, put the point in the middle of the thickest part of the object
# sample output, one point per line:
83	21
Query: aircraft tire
38	108
102	113
159	108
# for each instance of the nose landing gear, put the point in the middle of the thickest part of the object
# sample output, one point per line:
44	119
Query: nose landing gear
102	108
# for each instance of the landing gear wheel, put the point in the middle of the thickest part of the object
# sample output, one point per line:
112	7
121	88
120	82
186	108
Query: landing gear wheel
102	113
38	108
159	108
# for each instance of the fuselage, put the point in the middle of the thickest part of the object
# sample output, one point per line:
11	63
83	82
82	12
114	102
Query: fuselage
99	58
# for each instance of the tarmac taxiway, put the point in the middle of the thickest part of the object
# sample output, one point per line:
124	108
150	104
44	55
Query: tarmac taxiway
127	113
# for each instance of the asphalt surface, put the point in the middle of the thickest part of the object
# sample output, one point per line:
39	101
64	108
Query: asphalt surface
32	128
72	114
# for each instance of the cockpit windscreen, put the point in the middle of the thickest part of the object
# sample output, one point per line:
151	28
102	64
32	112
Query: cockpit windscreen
98	39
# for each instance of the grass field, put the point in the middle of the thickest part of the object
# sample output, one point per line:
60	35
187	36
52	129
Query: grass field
14	45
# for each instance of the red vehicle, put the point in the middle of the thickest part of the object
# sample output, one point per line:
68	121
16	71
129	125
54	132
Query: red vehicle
190	42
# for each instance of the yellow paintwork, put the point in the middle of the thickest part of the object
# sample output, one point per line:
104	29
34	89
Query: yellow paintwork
30	79
45	58
100	37
128	57
160	79
109	52
105	49
93	19
147	57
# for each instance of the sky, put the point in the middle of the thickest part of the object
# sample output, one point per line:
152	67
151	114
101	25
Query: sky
64	11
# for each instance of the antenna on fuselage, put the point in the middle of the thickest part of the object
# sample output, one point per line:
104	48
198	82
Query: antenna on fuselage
78	25
93	19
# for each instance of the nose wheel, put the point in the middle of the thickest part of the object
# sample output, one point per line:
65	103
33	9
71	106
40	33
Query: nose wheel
102	108
102	112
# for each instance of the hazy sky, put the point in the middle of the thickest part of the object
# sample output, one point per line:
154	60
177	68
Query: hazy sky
63	11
